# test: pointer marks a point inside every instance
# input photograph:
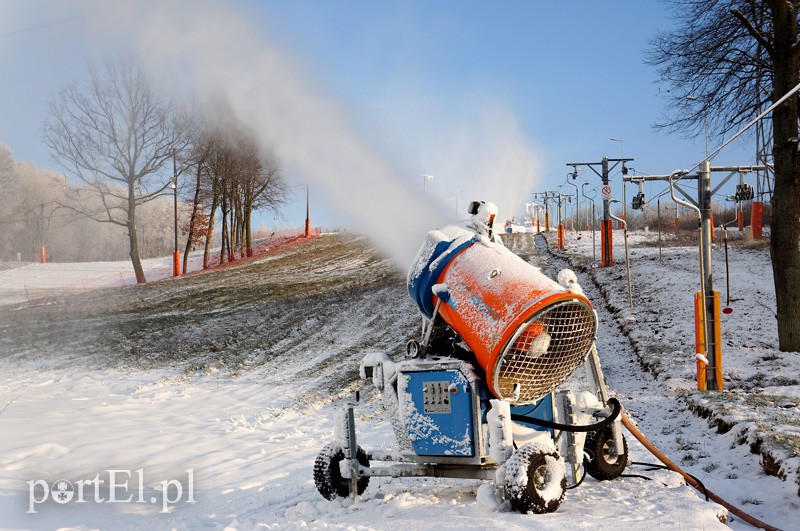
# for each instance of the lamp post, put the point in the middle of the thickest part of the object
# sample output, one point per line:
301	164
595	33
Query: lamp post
176	255
577	220
622	145
594	218
425	179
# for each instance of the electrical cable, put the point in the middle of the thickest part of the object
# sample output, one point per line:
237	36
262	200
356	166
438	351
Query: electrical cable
578	484
41	26
638	476
654	466
691	480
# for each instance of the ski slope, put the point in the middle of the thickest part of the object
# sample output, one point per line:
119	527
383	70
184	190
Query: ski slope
235	374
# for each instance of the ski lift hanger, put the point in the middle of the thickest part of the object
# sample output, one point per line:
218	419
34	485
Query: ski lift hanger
733	170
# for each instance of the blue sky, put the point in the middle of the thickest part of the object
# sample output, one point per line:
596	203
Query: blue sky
419	80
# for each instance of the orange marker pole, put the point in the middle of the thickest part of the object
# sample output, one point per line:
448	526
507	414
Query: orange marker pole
756	218
700	340
606	243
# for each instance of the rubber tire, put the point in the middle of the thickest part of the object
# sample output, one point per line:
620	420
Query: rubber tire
328	476
528	497
599	444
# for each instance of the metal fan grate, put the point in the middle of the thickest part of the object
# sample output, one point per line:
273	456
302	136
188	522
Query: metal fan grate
545	351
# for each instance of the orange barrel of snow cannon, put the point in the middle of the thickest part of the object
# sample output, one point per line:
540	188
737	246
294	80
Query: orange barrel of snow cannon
522	327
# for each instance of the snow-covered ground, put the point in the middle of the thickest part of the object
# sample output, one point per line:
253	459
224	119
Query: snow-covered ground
34	280
30	281
756	420
234	375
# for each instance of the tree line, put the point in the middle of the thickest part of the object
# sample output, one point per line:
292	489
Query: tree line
232	177
125	146
32	216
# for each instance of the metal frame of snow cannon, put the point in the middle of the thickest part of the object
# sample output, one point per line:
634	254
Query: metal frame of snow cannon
492	445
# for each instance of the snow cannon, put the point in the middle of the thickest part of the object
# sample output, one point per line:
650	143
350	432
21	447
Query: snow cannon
488	391
527	332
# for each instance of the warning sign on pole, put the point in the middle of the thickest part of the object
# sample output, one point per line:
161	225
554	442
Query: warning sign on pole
605	191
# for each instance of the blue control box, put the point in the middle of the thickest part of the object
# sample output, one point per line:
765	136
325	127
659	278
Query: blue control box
437	412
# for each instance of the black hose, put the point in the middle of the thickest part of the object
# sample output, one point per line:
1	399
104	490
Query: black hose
613	402
578	484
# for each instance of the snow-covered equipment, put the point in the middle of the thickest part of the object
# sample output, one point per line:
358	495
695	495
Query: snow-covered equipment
481	394
526	331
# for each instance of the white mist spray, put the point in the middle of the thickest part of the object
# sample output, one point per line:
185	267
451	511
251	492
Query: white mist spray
217	52
306	130
487	158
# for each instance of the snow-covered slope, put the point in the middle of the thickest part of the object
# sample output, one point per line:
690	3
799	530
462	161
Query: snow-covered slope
235	375
743	442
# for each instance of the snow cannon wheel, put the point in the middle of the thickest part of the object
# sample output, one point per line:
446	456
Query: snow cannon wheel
605	464
328	474
535	480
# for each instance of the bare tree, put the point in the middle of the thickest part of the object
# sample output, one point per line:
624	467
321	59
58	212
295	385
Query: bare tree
237	180
116	134
262	189
196	229
732	57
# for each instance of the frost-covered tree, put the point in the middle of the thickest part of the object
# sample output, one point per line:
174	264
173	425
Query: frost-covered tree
733	57
39	208
116	133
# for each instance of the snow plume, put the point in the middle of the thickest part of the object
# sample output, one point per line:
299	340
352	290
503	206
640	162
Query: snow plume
488	158
224	55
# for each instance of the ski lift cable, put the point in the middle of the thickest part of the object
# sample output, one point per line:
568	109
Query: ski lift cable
741	131
751	123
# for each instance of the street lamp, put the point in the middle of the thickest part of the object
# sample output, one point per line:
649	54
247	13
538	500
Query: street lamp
594	220
622	143
176	255
577	201
425	179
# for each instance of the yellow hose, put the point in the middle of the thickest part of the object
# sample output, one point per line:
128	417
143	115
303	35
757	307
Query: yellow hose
690	480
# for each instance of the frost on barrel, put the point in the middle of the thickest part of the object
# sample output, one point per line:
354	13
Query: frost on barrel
526	331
